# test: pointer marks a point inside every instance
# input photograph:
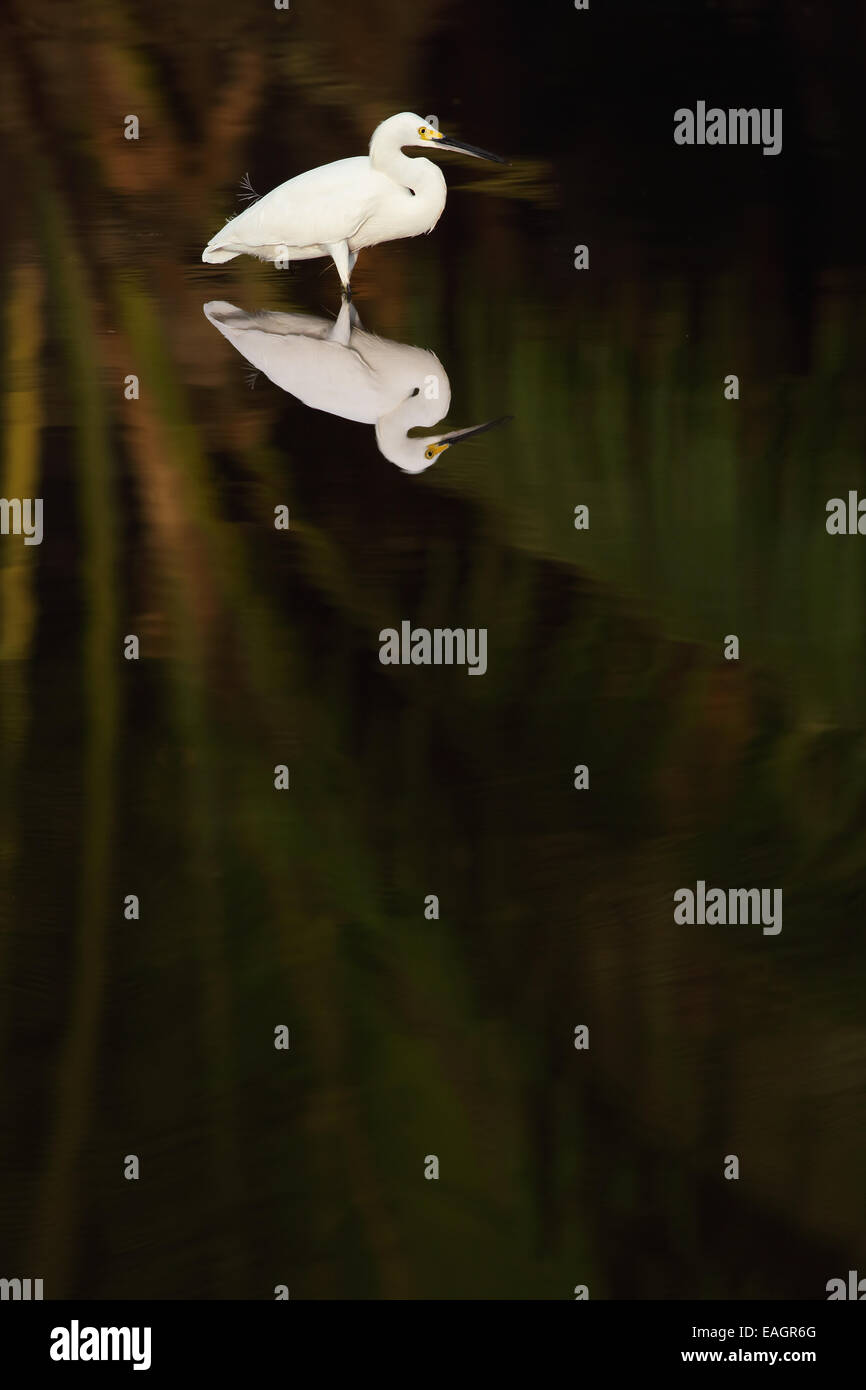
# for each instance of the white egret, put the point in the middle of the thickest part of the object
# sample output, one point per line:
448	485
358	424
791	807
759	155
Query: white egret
336	366
338	209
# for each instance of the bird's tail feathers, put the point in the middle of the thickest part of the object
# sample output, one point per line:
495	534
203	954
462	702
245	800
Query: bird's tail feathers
216	255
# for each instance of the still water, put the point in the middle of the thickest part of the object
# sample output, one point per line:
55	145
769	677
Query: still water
259	647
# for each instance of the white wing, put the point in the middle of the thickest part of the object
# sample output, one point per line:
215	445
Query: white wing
357	376
322	206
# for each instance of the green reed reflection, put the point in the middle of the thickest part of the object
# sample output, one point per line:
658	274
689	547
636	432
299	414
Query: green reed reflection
412	1037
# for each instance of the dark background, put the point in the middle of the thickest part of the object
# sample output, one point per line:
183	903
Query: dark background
452	1037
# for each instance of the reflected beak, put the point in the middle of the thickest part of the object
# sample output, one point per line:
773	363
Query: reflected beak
438	446
444	143
460	435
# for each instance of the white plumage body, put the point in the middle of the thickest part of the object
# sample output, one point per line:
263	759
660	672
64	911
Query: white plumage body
338	209
335	365
348	201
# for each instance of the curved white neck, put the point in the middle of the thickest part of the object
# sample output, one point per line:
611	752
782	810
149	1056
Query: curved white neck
389	159
392	434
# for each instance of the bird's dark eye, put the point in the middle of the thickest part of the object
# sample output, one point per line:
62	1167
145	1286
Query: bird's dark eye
423	130
428	453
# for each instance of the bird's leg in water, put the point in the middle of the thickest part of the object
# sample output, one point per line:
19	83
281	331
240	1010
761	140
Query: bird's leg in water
353	256
341	329
340	255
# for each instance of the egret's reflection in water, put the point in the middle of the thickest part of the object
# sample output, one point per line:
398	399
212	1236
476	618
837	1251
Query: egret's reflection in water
337	366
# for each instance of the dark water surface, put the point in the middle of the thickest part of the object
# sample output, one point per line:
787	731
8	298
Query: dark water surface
259	647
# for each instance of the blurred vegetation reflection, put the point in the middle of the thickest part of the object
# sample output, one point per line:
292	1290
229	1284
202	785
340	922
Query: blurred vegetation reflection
412	1037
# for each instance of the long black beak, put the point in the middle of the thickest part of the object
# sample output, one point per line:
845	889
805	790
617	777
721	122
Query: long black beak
458	146
459	435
